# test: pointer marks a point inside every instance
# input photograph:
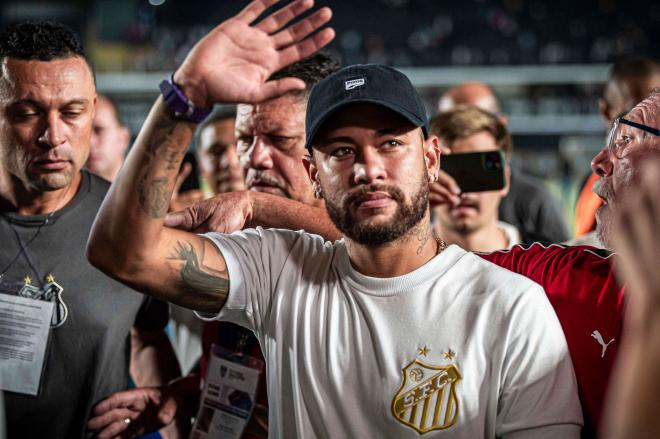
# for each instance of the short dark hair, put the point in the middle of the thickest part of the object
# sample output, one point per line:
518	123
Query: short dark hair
40	41
224	112
464	121
637	66
312	70
113	106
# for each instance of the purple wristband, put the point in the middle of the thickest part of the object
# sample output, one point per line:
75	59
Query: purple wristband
179	104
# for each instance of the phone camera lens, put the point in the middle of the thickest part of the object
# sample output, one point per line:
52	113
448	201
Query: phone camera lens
492	162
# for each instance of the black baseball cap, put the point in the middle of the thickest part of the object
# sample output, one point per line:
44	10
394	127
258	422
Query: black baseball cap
363	83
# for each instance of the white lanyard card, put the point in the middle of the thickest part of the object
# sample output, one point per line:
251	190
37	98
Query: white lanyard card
229	395
24	326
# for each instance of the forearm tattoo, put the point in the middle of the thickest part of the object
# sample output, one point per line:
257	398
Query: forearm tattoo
163	145
195	276
153	195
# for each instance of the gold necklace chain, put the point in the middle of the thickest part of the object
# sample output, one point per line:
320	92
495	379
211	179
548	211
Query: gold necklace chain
440	244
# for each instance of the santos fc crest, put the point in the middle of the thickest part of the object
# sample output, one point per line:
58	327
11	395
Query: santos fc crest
427	398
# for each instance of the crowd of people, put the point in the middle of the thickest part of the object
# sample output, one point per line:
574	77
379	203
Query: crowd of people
329	278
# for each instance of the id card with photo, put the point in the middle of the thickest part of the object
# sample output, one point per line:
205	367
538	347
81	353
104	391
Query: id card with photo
229	395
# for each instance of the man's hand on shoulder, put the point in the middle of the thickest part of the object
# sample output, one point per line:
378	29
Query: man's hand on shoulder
224	213
233	62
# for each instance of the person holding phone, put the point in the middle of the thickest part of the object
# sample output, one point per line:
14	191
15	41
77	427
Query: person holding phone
473	139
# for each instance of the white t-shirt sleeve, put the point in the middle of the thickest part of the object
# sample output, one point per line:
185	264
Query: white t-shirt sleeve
539	396
255	259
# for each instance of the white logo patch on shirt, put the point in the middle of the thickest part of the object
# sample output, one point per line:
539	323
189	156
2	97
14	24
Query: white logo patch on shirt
354	83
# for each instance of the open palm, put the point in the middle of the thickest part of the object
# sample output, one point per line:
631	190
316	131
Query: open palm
234	61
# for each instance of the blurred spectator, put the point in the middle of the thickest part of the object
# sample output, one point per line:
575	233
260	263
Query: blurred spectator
630	81
470	93
528	206
473	223
110	140
218	161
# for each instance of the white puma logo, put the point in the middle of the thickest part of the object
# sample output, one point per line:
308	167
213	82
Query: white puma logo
599	339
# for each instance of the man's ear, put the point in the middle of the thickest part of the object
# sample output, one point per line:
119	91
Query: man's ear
432	155
312	171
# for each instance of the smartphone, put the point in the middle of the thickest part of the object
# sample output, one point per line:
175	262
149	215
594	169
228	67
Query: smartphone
476	171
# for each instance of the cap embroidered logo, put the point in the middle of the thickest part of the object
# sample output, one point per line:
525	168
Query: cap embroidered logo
354	83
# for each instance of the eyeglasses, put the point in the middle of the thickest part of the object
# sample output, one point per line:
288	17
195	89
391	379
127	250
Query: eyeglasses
622	134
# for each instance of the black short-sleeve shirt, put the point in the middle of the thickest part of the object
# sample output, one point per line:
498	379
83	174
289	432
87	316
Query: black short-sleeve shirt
87	357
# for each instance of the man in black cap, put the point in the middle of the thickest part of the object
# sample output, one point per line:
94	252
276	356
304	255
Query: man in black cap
386	333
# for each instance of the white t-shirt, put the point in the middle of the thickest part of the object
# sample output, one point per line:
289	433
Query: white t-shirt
511	232
458	348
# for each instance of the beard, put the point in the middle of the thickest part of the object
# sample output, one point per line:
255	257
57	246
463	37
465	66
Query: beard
603	229
603	188
406	216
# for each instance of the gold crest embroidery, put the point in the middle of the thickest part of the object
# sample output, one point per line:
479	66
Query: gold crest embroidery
427	398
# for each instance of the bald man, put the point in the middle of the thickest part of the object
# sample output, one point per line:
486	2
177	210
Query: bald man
476	94
528	206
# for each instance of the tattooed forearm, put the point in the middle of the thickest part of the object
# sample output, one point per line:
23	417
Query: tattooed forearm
153	196
165	143
196	277
162	159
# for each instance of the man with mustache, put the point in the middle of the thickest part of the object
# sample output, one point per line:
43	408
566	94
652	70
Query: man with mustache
100	330
388	333
629	81
579	281
473	222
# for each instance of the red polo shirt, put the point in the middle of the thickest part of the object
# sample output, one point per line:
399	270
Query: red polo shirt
582	288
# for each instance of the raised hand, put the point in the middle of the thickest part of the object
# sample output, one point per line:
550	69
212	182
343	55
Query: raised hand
233	62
